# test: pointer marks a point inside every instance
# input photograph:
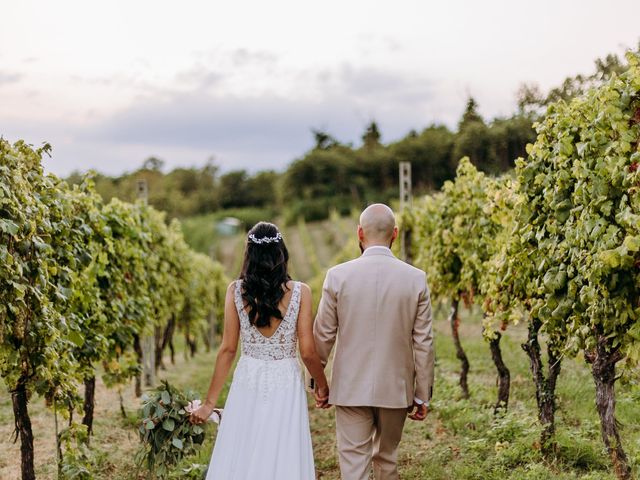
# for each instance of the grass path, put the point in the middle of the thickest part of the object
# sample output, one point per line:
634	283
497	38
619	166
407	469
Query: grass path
300	265
323	242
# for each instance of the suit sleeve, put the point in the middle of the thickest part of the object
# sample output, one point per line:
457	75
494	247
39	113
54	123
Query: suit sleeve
325	327
423	351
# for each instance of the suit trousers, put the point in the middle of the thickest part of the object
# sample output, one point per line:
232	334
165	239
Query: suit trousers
366	435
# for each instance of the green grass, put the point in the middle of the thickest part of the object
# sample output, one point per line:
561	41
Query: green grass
461	439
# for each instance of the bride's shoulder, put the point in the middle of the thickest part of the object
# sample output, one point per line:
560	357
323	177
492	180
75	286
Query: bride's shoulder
291	284
231	288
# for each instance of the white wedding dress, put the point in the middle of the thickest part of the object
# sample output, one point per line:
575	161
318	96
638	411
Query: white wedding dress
264	433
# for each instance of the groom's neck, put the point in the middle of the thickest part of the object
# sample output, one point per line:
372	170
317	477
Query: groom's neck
366	245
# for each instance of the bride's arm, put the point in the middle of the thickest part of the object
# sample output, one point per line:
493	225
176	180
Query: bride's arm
307	343
224	360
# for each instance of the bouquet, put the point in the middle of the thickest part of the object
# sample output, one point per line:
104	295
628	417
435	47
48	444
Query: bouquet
166	433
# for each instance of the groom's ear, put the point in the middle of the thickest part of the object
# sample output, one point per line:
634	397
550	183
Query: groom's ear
360	234
394	235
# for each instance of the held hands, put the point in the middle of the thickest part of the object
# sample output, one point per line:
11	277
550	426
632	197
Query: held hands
321	394
418	411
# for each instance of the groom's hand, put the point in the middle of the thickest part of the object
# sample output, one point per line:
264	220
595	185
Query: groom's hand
321	395
418	411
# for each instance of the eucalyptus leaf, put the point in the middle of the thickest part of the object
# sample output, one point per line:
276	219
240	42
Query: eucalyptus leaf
168	424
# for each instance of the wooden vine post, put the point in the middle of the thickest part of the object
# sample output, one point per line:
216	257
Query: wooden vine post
405	202
148	341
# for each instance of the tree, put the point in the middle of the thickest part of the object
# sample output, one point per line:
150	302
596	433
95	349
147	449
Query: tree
371	136
529	98
262	189
513	294
79	282
430	154
211	169
233	189
36	341
323	140
581	203
436	255
474	141
508	140
153	163
470	114
455	232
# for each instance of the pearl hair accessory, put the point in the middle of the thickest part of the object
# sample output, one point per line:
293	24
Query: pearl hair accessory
262	240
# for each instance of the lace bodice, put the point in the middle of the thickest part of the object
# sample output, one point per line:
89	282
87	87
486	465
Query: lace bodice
284	341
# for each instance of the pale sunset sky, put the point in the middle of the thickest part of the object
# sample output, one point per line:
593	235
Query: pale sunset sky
109	84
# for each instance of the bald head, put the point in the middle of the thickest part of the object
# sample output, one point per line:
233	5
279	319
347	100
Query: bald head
377	225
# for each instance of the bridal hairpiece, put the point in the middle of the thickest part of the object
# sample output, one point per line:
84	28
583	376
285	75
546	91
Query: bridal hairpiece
259	241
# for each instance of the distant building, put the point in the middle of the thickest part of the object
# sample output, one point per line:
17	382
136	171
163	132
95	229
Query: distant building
228	226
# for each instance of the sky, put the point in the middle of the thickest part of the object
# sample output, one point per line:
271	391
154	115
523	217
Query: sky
110	84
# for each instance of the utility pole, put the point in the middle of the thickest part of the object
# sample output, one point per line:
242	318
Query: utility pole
405	202
148	339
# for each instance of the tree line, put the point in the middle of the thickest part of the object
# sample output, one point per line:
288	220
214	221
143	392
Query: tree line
332	175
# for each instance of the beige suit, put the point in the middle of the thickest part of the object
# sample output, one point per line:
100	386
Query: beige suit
378	309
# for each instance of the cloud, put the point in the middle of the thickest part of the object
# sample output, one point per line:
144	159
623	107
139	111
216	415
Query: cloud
199	77
270	122
9	78
242	56
195	119
377	85
367	81
370	44
252	133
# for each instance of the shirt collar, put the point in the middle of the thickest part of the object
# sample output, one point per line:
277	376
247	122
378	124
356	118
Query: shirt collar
378	250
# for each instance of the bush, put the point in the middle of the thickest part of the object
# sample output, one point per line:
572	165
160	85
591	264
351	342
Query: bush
78	461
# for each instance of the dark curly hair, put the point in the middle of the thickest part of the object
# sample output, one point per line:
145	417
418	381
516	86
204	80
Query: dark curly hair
264	274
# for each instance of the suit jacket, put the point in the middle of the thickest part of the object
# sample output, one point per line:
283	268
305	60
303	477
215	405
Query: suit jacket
378	309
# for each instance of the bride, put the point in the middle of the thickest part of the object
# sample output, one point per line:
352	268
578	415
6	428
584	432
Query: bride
265	430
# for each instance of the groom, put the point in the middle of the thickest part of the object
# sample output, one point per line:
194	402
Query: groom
379	310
